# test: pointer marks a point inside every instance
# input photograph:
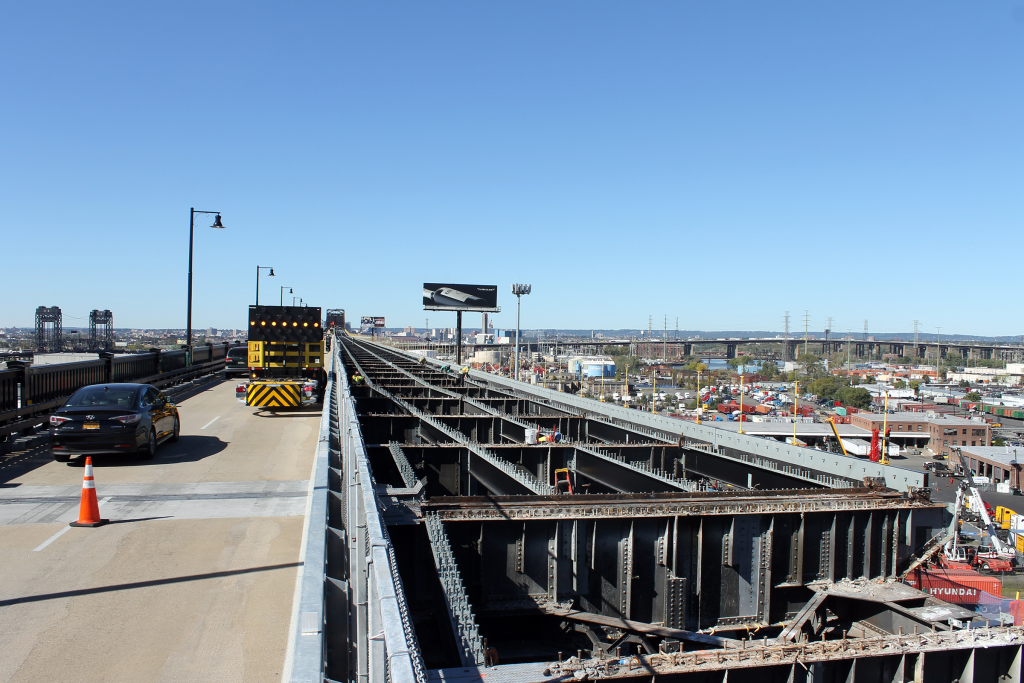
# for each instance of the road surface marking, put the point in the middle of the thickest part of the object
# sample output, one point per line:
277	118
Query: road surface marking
60	533
210	422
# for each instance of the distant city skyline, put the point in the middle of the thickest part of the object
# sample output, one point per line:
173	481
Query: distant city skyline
719	163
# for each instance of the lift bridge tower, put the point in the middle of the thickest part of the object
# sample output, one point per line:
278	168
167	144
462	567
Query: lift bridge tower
101	331
49	333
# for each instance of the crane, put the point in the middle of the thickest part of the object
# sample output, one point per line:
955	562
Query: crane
958	556
832	424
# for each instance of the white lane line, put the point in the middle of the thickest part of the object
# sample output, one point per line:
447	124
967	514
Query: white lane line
60	533
51	539
210	422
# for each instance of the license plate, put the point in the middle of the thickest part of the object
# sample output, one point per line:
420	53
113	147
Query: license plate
91	425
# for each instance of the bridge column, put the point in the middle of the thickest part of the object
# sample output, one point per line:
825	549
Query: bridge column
687	349
730	350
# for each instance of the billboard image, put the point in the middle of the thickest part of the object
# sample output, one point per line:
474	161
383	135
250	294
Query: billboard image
371	321
448	297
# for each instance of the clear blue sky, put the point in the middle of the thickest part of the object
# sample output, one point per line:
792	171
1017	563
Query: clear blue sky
719	162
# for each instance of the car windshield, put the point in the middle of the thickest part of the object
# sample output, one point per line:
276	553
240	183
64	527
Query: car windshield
114	397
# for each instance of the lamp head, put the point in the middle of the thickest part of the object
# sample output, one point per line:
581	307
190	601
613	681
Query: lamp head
271	272
290	290
217	224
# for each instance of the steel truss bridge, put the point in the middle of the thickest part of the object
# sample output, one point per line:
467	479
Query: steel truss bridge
439	548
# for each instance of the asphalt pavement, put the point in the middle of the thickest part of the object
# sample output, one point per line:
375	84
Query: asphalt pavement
193	578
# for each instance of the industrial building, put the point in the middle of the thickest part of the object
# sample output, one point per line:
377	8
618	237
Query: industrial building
938	433
998	463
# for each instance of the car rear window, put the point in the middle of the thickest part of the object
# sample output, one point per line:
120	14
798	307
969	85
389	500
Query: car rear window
238	353
116	397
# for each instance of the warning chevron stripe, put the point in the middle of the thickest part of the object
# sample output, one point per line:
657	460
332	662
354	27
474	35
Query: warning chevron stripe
273	396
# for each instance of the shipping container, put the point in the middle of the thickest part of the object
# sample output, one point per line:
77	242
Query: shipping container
958	586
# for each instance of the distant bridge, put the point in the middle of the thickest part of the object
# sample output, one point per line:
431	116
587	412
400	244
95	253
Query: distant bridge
785	349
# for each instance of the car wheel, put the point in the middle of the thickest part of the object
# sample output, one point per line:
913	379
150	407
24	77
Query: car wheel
177	430
984	566
150	451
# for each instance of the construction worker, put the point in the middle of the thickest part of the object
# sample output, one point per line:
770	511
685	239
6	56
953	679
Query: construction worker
357	379
462	375
423	360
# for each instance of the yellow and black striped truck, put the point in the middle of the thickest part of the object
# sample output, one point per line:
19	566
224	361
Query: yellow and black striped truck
286	357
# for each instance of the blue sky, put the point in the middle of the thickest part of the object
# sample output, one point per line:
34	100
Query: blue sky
719	162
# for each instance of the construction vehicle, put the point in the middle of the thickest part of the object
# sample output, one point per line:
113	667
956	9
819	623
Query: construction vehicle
955	556
285	357
832	424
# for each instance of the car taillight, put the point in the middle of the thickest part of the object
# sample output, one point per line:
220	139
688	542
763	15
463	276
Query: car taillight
56	421
127	419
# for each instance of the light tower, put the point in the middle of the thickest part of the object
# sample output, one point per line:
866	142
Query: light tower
519	291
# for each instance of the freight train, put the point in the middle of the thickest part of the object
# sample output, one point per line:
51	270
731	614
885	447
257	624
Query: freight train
285	357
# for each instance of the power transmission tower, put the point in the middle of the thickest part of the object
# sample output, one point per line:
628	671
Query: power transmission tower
865	330
806	321
677	328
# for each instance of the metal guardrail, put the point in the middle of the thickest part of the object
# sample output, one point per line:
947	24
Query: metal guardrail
28	391
352	621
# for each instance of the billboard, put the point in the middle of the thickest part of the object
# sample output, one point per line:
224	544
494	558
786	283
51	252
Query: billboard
371	321
291	324
447	297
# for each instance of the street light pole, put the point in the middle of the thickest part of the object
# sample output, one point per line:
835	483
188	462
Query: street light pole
191	239
519	291
258	269
282	293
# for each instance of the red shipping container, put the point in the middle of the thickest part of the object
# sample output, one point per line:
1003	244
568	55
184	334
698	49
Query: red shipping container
959	586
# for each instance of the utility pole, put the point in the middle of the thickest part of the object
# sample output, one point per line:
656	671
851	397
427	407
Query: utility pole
916	347
866	338
849	338
519	290
785	350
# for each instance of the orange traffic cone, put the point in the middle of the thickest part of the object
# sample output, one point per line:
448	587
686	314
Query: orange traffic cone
89	512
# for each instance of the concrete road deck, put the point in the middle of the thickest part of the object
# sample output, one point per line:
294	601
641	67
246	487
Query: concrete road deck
194	577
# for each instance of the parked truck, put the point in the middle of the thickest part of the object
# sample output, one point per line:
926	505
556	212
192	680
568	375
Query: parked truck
285	357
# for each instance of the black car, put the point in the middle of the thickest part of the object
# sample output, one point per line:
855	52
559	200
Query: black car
113	418
236	362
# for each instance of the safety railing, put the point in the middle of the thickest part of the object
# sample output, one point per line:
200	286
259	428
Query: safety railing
351	595
28	391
